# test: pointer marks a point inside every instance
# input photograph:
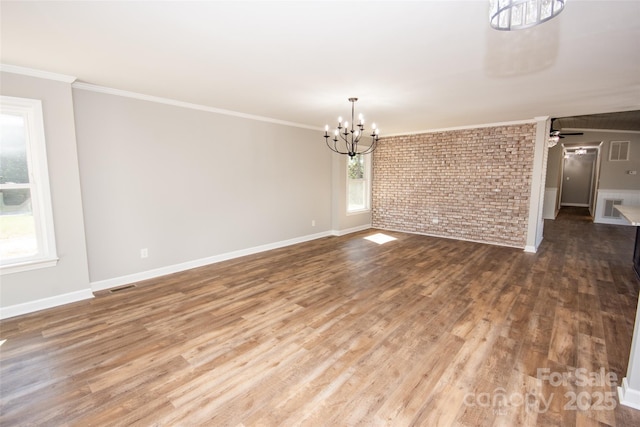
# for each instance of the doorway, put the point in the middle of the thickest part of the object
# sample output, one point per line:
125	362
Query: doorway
580	170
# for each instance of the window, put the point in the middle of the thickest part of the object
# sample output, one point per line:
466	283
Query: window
358	173
619	150
26	219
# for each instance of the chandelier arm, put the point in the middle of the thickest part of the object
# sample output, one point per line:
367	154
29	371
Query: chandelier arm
335	147
339	151
349	145
344	137
371	148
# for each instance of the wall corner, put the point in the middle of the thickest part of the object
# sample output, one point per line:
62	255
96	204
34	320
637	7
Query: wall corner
538	177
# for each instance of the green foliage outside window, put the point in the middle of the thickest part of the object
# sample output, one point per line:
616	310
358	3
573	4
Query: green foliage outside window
356	167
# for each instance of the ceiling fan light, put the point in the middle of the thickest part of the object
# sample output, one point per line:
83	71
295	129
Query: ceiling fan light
510	15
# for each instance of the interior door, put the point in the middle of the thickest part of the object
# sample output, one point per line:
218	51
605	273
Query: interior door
577	179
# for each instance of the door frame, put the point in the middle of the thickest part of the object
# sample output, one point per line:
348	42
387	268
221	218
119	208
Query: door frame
595	174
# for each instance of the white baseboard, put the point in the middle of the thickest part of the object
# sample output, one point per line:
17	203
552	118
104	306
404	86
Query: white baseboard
45	303
452	238
163	271
628	396
42	304
612	221
530	249
350	230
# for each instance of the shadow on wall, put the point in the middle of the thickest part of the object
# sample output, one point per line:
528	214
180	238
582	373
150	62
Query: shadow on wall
521	52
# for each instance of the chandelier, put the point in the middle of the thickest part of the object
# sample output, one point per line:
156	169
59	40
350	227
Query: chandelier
345	140
519	14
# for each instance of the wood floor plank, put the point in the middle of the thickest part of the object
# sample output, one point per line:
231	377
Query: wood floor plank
562	348
419	331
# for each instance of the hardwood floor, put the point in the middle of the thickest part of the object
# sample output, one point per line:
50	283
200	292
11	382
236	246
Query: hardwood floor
343	331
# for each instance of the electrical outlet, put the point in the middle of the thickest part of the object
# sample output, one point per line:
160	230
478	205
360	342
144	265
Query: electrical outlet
632	172
313	222
144	253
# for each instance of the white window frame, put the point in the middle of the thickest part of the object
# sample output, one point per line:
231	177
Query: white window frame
367	185
46	256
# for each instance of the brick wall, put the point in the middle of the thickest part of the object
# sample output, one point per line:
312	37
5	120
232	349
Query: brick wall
475	183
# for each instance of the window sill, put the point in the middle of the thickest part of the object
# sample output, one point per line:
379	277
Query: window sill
358	212
20	267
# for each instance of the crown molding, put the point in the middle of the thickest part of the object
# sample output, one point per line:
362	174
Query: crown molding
31	72
465	127
176	103
598	130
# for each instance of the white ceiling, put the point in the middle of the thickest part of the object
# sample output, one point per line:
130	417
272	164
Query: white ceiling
415	66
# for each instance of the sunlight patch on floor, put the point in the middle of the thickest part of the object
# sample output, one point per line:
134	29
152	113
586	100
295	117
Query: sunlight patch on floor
380	238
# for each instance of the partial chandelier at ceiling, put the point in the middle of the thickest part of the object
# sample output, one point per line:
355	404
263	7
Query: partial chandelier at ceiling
507	15
345	140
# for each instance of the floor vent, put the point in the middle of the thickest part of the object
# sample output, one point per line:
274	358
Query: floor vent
121	288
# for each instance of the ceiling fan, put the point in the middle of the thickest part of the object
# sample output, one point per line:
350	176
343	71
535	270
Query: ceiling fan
554	135
560	134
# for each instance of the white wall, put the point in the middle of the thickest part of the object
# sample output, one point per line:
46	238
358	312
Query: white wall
554	166
190	185
69	279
